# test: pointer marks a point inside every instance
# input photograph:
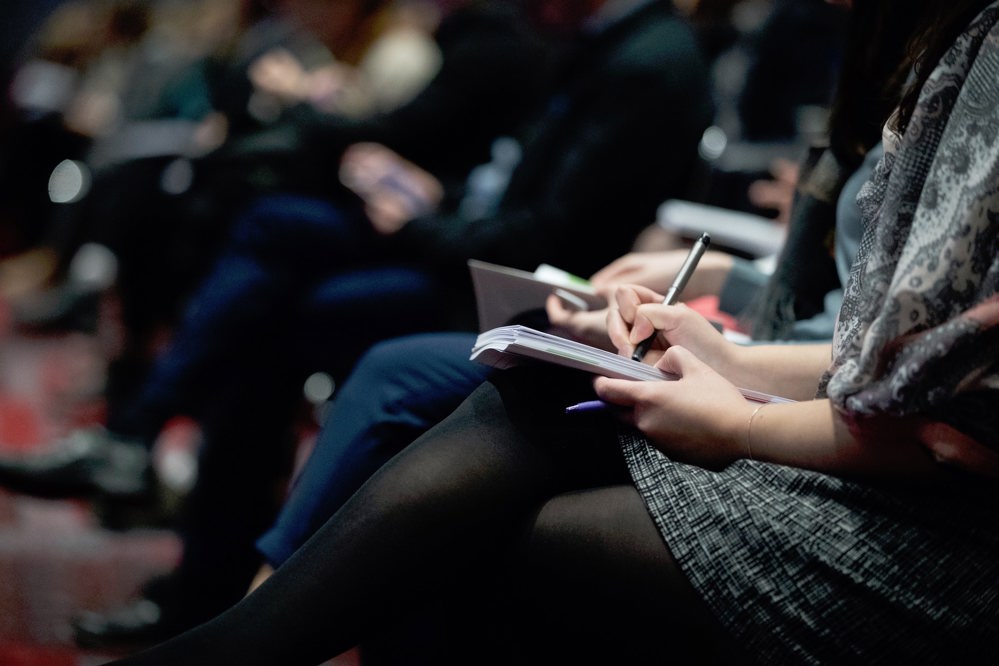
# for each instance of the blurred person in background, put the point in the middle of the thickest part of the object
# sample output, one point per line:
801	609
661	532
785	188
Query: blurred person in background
403	386
671	530
158	176
489	65
605	144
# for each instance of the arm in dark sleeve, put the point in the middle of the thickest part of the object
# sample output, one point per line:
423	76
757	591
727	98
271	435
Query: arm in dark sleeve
593	174
488	79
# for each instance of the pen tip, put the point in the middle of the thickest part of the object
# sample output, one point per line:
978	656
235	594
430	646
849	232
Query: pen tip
706	238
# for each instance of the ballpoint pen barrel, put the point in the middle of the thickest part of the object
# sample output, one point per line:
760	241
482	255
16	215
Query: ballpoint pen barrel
682	276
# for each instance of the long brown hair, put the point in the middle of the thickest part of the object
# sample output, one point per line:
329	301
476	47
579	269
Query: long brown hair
893	46
943	24
873	73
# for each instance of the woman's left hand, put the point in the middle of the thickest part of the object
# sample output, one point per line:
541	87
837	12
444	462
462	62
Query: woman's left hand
699	418
588	326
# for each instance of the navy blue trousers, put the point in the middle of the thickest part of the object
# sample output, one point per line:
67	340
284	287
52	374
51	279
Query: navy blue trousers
397	391
299	288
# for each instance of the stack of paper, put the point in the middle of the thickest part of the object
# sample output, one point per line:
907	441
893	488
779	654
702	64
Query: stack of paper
509	346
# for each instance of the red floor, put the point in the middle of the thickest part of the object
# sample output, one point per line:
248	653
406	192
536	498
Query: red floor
56	558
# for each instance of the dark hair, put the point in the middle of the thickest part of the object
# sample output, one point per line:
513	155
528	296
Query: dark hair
873	73
942	26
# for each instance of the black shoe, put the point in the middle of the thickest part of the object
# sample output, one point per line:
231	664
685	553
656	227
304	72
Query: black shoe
88	463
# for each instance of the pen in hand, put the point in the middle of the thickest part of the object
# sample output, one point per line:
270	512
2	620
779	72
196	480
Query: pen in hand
682	276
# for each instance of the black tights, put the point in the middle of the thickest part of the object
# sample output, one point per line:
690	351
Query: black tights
507	478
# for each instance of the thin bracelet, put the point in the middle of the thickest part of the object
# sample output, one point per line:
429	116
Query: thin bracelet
749	430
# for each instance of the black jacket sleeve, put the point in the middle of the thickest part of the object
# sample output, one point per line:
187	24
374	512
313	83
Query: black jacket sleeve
619	136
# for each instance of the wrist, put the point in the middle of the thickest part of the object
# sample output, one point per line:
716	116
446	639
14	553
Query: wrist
754	416
728	360
738	437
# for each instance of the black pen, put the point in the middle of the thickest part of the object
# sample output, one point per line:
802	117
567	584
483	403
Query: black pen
686	270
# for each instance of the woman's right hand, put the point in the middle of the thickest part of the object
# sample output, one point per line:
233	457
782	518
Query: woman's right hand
639	313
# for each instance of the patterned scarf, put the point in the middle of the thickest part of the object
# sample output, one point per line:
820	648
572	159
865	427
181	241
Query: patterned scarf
918	334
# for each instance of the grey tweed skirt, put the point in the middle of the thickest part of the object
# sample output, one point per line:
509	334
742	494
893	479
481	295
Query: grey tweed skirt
806	568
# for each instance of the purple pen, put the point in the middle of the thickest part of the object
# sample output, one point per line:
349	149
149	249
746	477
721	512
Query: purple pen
588	406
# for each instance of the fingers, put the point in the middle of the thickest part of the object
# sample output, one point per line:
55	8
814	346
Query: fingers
681	362
558	313
650	319
677	361
951	446
636	268
621	320
613	272
620	392
632	296
388	213
640	314
663	319
785	170
618	330
366	162
636	314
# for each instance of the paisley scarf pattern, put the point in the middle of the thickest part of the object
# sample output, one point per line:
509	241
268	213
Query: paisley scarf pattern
918	333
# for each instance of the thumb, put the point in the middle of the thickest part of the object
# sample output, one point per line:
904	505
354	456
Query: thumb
679	361
621	392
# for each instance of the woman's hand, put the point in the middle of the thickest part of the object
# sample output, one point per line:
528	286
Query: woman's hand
639	313
657	270
588	326
651	269
699	418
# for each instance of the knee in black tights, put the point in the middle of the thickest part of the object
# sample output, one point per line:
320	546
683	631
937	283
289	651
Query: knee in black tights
604	587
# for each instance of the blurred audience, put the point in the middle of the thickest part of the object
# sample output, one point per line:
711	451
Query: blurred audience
403	386
307	278
501	479
49	105
161	188
795	55
320	195
774	83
